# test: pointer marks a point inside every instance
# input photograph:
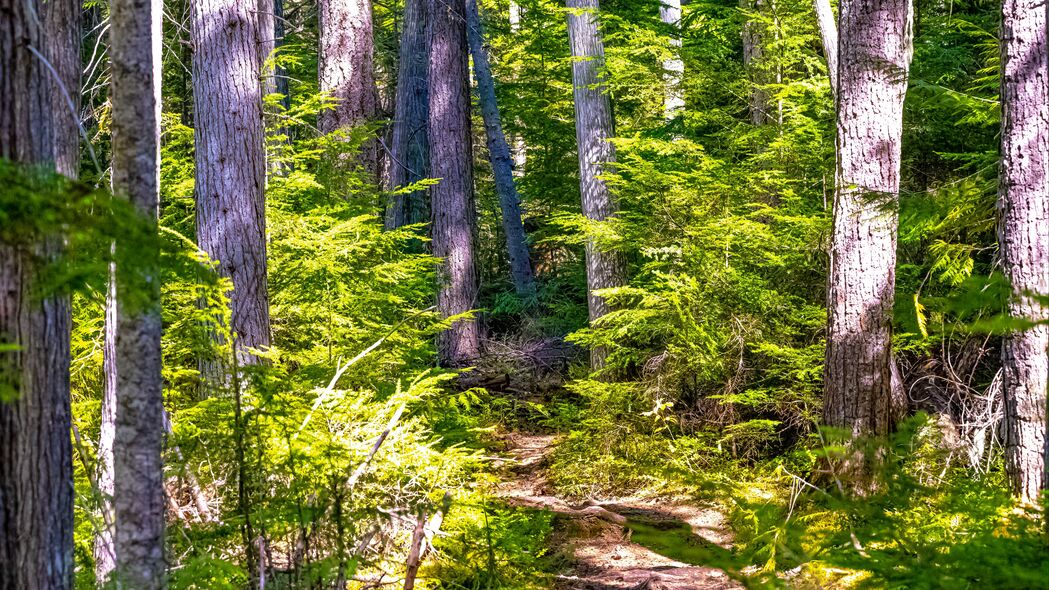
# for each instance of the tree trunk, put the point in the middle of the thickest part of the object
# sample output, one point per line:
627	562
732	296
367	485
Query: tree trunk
451	160
1023	205
231	162
673	68
593	113
138	470
409	147
829	37
346	70
500	158
36	468
105	550
753	56
875	52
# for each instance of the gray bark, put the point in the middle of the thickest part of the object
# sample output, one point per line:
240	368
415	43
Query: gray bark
105	551
874	53
1023	206
451	160
500	158
36	469
230	157
346	70
593	112
829	38
753	55
138	470
673	68
409	146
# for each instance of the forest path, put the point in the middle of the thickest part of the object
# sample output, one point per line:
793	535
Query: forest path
618	544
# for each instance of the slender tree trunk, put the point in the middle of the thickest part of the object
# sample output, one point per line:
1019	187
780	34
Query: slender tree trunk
36	469
593	111
230	157
875	52
138	470
409	147
499	156
451	160
347	70
1023	205
674	67
829	37
105	550
753	57
280	76
520	151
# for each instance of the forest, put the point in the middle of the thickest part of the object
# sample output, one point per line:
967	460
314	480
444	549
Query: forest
524	294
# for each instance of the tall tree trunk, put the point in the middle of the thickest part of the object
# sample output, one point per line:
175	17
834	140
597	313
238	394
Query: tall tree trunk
409	147
105	550
499	156
280	76
875	52
520	151
1023	205
138	470
593	113
829	37
36	469
452	199
753	56
347	70
231	162
673	68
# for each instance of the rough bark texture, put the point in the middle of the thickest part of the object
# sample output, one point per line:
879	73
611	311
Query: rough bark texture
138	482
593	113
753	40
875	51
409	146
500	158
1023	207
230	157
36	471
62	22
346	69
673	68
829	37
452	200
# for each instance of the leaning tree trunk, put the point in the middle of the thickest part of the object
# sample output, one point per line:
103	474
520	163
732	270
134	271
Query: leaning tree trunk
829	38
36	469
231	161
500	158
605	268
452	200
875	52
674	67
138	470
1023	205
346	70
409	148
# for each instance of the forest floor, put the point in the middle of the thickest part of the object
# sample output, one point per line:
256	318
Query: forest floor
617	543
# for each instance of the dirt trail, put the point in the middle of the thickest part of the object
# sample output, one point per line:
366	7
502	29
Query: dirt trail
623	543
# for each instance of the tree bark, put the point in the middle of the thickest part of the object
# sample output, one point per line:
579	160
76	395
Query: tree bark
875	52
138	470
1023	207
36	469
753	55
346	70
594	128
829	37
409	147
500	158
452	200
231	162
674	67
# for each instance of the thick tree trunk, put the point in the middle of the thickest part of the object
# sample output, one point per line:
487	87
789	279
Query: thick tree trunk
231	162
829	37
347	70
409	147
451	161
1023	205
36	470
138	470
875	52
499	156
593	112
673	68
